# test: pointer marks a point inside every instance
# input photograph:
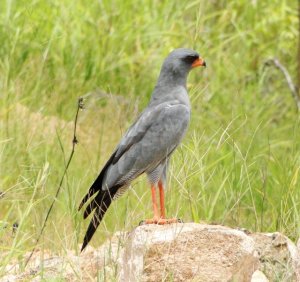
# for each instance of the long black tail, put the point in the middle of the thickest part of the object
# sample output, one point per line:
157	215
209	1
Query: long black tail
97	185
100	204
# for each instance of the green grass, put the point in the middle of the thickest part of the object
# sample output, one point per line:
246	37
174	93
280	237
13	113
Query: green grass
239	164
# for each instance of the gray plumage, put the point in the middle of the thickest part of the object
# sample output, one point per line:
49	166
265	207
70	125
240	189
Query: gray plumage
147	145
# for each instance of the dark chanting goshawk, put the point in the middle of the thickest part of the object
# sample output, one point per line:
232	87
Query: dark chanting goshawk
148	144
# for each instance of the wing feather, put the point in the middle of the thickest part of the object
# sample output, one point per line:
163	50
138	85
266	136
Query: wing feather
100	203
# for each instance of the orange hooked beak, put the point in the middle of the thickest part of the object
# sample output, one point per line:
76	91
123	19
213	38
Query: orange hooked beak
198	63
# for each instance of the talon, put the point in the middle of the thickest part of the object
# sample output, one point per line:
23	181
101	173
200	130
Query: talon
160	221
163	221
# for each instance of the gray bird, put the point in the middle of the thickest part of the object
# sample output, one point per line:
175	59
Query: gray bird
148	144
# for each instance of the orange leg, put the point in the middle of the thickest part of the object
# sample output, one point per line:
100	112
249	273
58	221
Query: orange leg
162	200
154	203
156	218
163	219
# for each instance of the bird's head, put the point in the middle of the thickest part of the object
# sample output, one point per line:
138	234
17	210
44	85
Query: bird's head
182	60
178	64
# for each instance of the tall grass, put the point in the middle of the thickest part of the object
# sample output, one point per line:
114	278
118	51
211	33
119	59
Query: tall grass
239	164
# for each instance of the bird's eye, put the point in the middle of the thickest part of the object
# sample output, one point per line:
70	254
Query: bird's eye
190	59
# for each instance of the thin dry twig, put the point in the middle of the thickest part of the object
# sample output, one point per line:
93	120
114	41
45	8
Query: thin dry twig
74	142
291	85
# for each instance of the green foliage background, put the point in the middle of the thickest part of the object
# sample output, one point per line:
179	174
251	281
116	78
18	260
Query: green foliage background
239	164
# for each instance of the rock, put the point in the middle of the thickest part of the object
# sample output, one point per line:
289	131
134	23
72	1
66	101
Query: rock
188	252
297	263
177	252
259	276
278	256
87	266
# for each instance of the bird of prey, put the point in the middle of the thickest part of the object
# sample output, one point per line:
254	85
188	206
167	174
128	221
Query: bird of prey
148	144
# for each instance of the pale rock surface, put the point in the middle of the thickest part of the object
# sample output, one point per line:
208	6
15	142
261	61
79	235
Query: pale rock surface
259	276
297	263
188	252
278	255
177	252
92	263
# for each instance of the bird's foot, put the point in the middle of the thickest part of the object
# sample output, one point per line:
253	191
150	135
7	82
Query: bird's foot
161	221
